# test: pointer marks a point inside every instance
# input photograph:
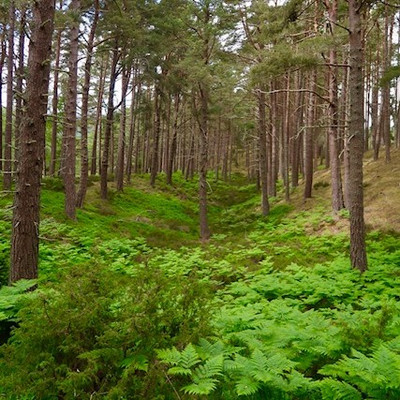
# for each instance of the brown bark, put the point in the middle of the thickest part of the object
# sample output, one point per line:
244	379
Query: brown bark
7	178
80	197
385	114
376	137
69	129
54	126
2	60
297	137
358	253
172	150
122	132
156	136
109	123
309	138
97	126
132	124
19	81
285	141
262	136
272	146
25	226
337	194
203	153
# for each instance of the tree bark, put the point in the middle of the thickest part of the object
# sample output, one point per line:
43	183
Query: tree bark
109	122
54	126
25	226
156	137
69	129
358	253
262	135
122	132
7	178
2	60
203	125
97	127
309	139
172	151
85	107
337	194
132	123
19	81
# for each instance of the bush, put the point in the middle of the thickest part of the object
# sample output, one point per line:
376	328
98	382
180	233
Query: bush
95	334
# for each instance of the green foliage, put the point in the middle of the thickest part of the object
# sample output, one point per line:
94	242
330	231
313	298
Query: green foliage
131	305
279	331
97	330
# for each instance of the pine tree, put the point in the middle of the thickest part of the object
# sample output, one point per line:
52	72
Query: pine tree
25	224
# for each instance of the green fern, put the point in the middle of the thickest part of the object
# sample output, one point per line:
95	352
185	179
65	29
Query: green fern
336	390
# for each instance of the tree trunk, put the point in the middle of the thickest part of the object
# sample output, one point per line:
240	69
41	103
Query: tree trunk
7	179
172	151
285	141
2	59
203	152
376	138
97	126
109	122
69	129
19	84
25	226
262	135
80	197
386	89
122	132
156	138
358	253
54	126
309	139
337	194
132	124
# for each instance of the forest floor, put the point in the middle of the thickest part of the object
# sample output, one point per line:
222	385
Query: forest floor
268	307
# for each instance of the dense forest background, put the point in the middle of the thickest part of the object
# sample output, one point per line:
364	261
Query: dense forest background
184	188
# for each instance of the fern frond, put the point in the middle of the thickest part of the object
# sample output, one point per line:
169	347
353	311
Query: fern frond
189	357
212	367
332	389
202	387
247	386
169	356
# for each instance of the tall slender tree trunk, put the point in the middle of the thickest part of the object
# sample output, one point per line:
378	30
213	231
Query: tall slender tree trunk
203	153
25	225
309	139
109	123
297	137
54	126
285	141
337	194
2	60
385	115
122	131
172	151
358	253
273	162
156	137
376	138
80	198
97	125
262	135
132	124
7	179
69	129
19	81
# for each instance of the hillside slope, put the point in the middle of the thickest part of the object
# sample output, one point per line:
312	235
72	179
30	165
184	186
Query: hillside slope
381	196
